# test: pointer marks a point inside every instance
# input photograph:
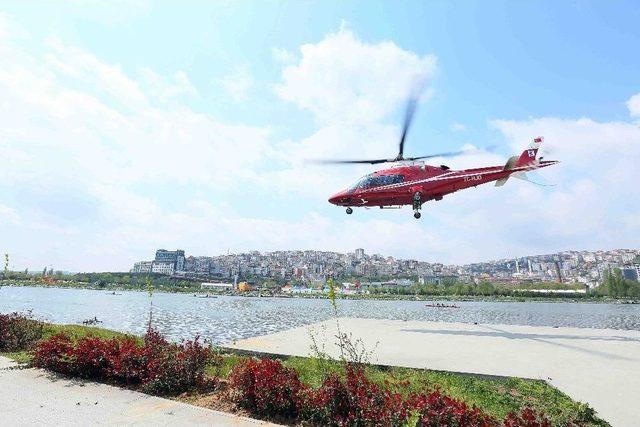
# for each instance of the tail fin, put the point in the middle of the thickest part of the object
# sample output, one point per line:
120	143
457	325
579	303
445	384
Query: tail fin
529	155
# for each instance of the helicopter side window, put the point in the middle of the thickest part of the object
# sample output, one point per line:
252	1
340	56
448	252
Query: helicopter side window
362	183
397	179
367	182
382	180
370	181
379	181
390	179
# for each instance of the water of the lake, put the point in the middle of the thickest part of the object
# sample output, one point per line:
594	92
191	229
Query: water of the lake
224	319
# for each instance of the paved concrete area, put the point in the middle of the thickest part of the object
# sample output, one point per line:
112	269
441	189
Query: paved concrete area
32	397
598	366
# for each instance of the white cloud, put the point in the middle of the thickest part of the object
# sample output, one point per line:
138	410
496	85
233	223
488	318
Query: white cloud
84	146
633	104
107	130
72	62
595	185
282	55
167	89
298	176
350	86
238	83
342	78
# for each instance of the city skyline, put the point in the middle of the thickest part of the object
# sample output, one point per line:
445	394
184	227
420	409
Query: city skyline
119	136
35	268
311	266
368	252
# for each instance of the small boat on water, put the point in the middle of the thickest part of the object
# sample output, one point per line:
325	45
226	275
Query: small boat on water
438	305
205	296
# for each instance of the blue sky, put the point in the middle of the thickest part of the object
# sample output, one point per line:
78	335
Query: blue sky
132	125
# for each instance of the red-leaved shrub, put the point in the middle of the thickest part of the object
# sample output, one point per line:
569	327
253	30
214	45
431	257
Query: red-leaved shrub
526	418
352	401
157	365
435	409
267	387
56	353
128	363
171	367
18	332
93	357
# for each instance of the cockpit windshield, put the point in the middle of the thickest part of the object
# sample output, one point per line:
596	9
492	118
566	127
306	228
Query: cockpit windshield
371	180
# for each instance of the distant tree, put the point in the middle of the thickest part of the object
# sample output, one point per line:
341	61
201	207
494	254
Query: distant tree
5	272
448	281
149	286
485	288
634	289
615	285
623	283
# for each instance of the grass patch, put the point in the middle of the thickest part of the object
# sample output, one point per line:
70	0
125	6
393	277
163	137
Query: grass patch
79	331
496	396
228	361
21	357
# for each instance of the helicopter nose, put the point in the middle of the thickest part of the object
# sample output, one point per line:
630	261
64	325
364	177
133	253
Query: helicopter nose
338	198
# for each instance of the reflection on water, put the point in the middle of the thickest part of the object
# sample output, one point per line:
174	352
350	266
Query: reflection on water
225	319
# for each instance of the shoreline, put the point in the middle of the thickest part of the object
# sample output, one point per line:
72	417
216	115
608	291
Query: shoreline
546	298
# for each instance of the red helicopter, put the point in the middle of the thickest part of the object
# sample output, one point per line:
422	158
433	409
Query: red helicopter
410	182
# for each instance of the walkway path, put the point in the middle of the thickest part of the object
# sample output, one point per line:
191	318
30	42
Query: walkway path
598	366
32	397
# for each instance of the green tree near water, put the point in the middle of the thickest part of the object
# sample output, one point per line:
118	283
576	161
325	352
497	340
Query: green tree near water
6	264
149	285
615	285
5	272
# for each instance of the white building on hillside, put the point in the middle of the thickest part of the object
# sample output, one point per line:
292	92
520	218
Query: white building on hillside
162	268
142	267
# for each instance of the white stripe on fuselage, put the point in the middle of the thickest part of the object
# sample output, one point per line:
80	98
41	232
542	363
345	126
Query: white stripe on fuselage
442	177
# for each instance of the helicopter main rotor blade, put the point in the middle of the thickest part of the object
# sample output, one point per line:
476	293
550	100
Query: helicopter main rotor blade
405	159
412	104
336	162
431	156
408	118
489	149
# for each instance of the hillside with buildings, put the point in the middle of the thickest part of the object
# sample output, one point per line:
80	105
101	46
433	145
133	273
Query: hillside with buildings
586	267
